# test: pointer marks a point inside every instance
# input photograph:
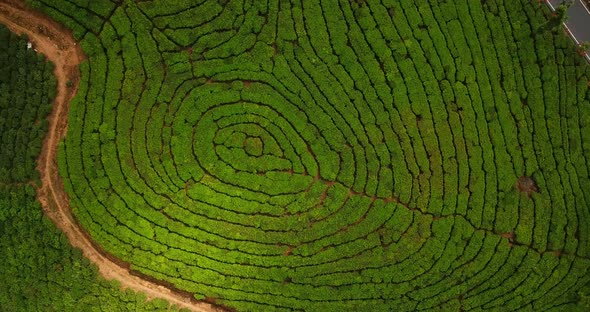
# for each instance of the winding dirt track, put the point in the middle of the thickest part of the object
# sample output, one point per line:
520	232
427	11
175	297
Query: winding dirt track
59	46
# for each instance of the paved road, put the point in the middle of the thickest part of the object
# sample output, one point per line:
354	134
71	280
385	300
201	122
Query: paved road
578	22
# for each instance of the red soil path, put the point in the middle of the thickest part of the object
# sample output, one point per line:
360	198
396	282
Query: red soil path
59	46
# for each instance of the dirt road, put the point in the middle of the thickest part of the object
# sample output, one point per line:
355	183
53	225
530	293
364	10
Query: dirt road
59	46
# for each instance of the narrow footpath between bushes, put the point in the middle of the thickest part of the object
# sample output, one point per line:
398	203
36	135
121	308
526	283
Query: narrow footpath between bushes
59	46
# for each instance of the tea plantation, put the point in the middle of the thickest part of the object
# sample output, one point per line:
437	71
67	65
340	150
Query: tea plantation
333	155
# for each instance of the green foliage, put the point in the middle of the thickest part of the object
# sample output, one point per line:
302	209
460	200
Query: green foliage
42	272
27	87
335	155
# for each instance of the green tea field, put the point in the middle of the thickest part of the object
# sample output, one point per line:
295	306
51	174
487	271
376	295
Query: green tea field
334	155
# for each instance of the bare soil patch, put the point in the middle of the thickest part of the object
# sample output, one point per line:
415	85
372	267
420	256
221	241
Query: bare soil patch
527	185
